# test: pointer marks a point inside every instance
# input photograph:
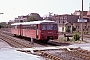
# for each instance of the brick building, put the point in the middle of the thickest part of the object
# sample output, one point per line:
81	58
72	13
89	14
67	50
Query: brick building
86	16
21	18
65	21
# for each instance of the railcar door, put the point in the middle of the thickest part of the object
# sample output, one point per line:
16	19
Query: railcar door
37	31
21	30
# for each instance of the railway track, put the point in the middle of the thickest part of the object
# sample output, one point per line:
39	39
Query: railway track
13	42
59	54
63	54
83	54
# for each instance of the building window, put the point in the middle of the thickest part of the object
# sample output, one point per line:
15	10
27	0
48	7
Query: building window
57	18
62	17
78	27
59	21
65	17
62	21
88	27
85	27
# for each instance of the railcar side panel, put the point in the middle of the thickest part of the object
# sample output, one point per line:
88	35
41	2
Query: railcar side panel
32	33
29	33
14	31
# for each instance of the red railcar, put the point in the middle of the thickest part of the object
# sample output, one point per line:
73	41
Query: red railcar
40	30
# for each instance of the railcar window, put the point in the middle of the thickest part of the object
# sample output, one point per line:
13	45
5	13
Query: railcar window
44	27
27	26
54	27
12	26
31	27
18	27
49	27
15	26
23	27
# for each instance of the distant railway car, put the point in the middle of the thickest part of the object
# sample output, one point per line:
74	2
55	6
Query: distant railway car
40	30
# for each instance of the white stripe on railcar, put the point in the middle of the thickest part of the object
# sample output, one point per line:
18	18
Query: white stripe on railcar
33	22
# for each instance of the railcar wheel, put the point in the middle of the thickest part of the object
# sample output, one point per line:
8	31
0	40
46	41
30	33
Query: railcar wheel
45	41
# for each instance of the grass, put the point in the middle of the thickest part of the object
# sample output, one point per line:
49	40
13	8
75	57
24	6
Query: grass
63	39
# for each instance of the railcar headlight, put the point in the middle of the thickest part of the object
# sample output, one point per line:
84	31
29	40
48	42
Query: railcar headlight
57	32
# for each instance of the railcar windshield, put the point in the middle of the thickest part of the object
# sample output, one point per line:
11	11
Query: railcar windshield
49	27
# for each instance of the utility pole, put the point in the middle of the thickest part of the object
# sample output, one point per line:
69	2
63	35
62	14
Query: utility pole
89	11
89	6
82	22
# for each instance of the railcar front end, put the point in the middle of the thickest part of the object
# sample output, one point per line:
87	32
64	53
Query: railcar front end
49	31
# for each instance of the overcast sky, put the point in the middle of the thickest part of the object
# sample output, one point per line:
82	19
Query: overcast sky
15	8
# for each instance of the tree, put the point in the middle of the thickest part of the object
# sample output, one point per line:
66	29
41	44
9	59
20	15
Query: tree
3	25
32	18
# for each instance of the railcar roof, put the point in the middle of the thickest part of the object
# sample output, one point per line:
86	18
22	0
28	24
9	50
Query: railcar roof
33	22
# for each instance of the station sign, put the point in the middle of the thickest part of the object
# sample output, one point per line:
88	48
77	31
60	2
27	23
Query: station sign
82	20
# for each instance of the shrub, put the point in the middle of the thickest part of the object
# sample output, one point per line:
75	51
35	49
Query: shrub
76	36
